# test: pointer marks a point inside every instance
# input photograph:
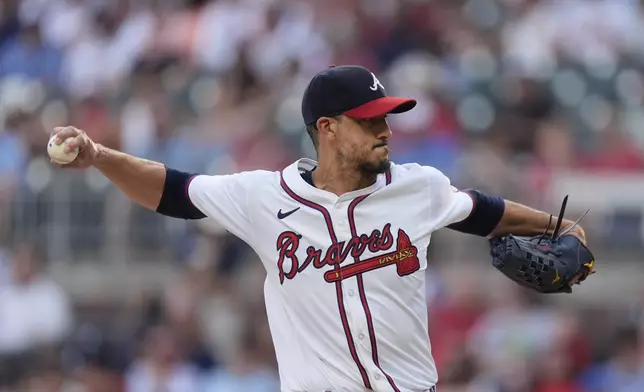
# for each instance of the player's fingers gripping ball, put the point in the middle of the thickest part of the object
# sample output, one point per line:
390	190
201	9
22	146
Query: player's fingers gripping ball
58	152
547	264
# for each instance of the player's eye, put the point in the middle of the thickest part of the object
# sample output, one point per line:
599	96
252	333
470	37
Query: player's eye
375	123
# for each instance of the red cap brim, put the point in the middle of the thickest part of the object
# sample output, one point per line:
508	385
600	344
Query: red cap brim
382	106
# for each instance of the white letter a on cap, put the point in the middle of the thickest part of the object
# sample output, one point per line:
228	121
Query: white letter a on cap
376	83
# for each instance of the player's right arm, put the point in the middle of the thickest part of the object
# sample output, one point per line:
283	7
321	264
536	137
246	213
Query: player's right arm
140	179
165	190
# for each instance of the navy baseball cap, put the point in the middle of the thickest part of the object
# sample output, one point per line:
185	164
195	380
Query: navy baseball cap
351	90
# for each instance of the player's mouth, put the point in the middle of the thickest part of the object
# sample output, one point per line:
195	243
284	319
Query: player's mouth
385	145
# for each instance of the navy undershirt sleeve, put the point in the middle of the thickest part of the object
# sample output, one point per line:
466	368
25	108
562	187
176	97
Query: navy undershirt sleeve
485	216
175	201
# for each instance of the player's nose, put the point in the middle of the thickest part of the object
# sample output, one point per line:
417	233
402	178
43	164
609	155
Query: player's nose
384	132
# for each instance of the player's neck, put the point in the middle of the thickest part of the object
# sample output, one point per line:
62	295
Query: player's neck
336	179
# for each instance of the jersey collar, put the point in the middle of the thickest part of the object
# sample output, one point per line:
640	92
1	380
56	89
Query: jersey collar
292	177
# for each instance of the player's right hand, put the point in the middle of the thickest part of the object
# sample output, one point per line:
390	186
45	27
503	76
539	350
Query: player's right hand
88	150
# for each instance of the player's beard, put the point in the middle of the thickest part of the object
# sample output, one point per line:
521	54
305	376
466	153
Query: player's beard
368	165
365	164
371	168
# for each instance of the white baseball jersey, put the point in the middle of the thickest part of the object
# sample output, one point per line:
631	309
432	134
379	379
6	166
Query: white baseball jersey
345	285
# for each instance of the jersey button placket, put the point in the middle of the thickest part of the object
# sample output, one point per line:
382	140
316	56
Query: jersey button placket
381	382
352	303
359	326
340	218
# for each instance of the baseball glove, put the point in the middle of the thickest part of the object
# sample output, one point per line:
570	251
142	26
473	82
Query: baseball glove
547	264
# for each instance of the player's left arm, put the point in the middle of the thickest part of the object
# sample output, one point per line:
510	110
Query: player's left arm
474	212
521	220
493	216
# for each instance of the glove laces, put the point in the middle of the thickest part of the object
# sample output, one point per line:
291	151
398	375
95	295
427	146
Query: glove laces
556	234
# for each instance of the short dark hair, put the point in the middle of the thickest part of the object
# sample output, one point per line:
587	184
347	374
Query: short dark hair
312	130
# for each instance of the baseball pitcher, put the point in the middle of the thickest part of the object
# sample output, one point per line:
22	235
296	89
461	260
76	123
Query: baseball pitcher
344	237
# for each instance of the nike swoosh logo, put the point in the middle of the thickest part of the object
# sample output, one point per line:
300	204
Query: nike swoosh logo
282	215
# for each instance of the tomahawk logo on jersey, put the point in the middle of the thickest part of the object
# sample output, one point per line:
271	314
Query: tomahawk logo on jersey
345	274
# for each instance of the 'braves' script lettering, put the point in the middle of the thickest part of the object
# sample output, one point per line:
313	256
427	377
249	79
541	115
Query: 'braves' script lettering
289	242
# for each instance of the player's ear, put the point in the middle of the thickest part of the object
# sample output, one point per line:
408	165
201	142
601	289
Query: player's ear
327	127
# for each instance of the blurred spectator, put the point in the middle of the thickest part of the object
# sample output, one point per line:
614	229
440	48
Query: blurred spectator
510	336
64	21
34	310
28	56
222	26
114	43
618	153
451	321
250	371
13	162
623	371
182	303
44	374
162	365
9	21
559	363
5	267
555	372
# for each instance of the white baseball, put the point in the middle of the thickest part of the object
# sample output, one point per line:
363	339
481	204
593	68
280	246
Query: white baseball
57	151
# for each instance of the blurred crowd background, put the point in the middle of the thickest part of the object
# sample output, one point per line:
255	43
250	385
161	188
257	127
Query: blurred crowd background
529	99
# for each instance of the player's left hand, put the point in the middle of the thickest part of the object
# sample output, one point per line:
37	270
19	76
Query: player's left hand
578	232
551	265
581	236
547	264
